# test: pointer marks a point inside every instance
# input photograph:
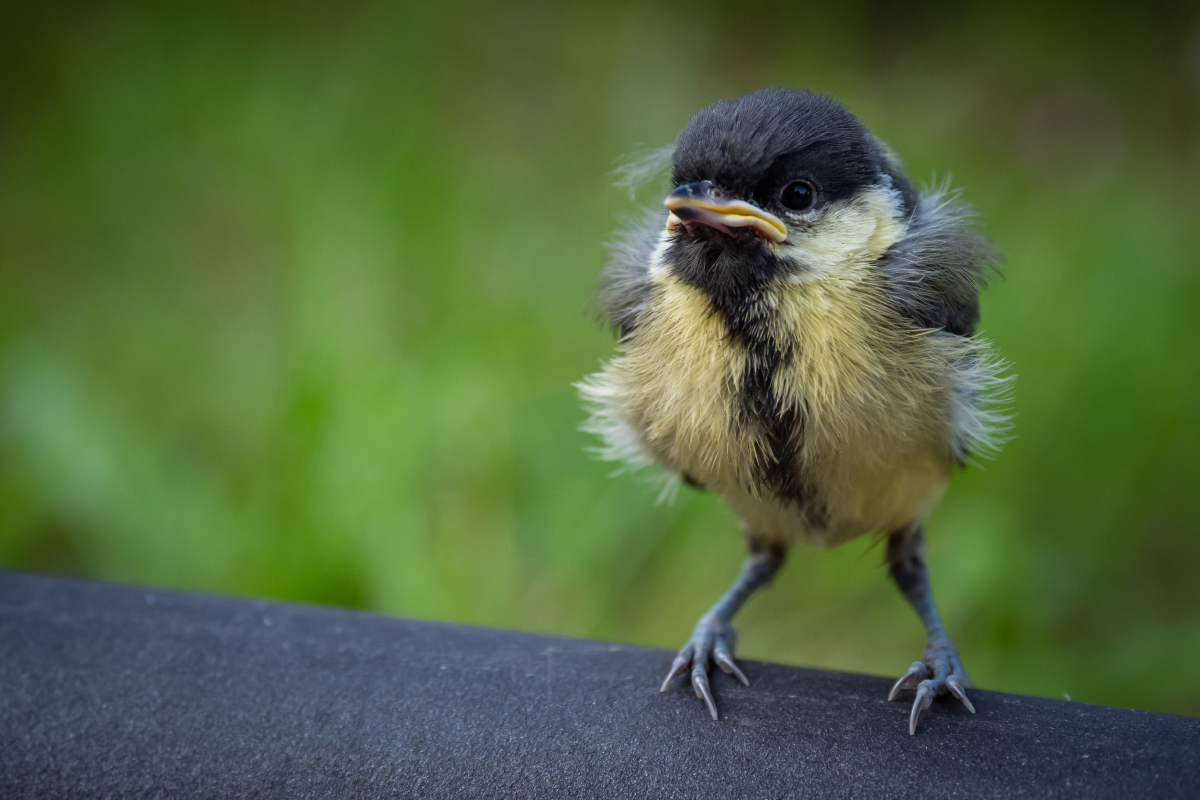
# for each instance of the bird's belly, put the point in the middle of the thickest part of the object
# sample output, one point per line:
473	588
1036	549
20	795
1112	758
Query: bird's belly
846	503
888	477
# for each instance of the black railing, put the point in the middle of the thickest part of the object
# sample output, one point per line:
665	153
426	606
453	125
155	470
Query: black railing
114	691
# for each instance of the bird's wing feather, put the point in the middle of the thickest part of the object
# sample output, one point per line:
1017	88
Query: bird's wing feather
934	273
933	276
625	280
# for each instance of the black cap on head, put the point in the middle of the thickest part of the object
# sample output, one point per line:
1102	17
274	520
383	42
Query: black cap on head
754	145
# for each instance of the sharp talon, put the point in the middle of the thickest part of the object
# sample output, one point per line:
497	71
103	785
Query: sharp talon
956	689
923	700
700	684
725	661
898	685
678	667
917	671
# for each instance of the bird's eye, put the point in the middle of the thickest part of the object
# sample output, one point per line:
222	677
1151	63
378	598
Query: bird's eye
799	196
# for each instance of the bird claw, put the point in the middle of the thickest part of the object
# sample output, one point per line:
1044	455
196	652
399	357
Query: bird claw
700	686
711	641
939	673
916	673
954	684
725	661
679	666
923	700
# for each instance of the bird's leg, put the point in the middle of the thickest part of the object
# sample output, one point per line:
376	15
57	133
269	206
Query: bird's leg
939	670
714	636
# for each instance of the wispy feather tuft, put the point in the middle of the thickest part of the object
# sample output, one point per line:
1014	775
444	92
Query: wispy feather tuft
643	167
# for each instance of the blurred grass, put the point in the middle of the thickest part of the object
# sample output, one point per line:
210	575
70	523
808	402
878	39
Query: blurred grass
294	296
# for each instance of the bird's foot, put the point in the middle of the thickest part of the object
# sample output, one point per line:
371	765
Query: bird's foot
937	673
712	640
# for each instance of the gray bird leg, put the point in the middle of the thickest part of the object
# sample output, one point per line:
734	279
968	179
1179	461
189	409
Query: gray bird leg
939	670
714	636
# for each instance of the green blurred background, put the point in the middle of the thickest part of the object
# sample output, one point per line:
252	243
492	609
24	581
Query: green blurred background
293	297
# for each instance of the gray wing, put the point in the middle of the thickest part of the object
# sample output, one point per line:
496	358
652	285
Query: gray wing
935	272
934	275
625	280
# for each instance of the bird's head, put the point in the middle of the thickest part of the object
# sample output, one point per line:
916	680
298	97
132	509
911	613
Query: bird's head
780	184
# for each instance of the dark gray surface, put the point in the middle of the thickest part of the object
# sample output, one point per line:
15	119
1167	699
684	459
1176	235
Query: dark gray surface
112	691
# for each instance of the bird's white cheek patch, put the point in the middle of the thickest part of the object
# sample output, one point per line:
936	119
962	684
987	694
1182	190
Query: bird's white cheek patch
658	261
846	236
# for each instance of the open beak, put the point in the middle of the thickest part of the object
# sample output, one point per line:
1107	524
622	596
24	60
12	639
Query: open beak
704	203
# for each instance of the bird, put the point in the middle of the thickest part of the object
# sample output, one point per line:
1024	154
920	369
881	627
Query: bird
796	332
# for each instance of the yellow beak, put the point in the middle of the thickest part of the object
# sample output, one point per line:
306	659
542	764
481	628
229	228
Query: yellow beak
704	203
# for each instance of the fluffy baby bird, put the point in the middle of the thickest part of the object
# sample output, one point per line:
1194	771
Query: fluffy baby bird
797	335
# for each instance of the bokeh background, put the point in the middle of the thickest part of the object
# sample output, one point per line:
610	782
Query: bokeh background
292	298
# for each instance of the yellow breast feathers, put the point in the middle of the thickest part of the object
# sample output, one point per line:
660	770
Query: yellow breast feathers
858	419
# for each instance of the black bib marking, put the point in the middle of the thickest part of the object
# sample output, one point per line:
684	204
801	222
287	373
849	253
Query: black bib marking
735	280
